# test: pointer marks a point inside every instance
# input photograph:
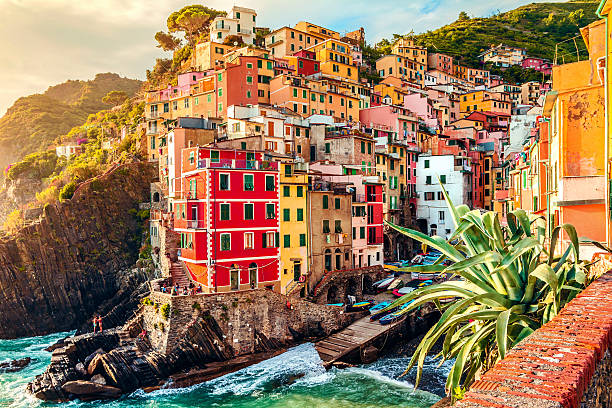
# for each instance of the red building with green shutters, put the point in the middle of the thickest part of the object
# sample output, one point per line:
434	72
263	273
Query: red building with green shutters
227	217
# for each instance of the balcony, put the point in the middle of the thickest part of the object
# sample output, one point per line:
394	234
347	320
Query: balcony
246	32
152	115
464	168
375	239
196	224
359	198
238	164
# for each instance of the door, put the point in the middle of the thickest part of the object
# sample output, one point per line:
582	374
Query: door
194	216
313	153
297	271
270	128
234	275
253	275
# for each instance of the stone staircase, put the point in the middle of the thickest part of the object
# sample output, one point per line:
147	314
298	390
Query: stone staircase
178	275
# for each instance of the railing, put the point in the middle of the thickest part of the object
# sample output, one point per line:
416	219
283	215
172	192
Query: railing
196	224
375	240
359	198
238	164
152	115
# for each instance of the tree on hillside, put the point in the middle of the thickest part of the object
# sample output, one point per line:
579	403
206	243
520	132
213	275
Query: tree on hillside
115	98
463	16
167	42
193	21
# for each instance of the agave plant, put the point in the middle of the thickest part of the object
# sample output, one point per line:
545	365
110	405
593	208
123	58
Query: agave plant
505	284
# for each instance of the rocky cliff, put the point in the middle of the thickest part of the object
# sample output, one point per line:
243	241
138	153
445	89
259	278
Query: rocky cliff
54	274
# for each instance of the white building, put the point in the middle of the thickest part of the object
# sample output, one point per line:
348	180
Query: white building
456	175
240	21
68	150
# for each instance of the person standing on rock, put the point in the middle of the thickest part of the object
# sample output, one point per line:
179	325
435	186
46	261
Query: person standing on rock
95	323
100	323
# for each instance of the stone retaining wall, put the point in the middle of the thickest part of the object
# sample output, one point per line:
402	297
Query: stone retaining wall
564	364
247	318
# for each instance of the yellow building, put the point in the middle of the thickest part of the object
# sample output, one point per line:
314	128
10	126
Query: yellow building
293	226
317	30
484	101
577	142
604	12
336	59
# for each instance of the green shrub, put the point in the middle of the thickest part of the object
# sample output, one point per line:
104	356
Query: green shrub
165	311
68	191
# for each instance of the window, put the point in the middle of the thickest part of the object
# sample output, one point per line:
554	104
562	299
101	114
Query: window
286	191
426	164
363	147
286	241
286	214
249	211
429	196
226	242
214	156
337	203
300	214
325	202
248	182
441	215
225	212
249	240
361	232
269	183
224	183
443	178
270	211
327	148
326	226
338	226
269	240
288	170
300	189
302	240
220	91
440	195
428	180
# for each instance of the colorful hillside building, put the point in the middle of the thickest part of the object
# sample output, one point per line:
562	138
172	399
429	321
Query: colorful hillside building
227	218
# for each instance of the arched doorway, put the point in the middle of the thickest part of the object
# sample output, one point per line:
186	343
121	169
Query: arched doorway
234	277
253	275
332	294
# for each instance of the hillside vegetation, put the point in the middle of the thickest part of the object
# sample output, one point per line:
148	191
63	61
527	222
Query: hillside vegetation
34	122
537	27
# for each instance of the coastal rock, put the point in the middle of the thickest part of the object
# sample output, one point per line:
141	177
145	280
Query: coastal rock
15	365
98	379
80	368
90	357
89	390
63	268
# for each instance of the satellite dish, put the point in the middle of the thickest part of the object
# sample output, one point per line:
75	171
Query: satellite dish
235	43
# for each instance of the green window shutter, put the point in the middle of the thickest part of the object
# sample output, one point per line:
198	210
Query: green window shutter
302	240
300	191
337	203
248	182
426	164
286	214
277	239
269	183
225	212
294	93
286	241
362	147
443	179
327	148
264	239
259	64
248	212
325	202
300	214
270	211
286	191
362	232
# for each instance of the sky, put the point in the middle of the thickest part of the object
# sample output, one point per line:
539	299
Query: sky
46	42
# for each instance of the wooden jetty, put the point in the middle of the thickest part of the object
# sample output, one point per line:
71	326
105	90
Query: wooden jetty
358	336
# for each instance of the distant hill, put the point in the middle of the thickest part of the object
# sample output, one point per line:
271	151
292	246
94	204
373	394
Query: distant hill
35	121
538	27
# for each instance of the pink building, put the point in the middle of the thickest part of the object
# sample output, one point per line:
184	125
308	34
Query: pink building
422	106
539	64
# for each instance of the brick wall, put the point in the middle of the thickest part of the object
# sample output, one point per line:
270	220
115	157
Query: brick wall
564	364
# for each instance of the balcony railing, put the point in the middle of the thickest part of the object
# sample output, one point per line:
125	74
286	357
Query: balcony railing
375	239
196	224
152	115
359	198
237	164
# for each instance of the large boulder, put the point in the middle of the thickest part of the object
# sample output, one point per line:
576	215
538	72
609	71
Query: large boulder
89	390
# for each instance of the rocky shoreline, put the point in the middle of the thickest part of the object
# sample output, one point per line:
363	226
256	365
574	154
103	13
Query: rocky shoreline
190	346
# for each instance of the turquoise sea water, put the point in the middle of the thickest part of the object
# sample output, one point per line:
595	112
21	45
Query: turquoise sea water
293	379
